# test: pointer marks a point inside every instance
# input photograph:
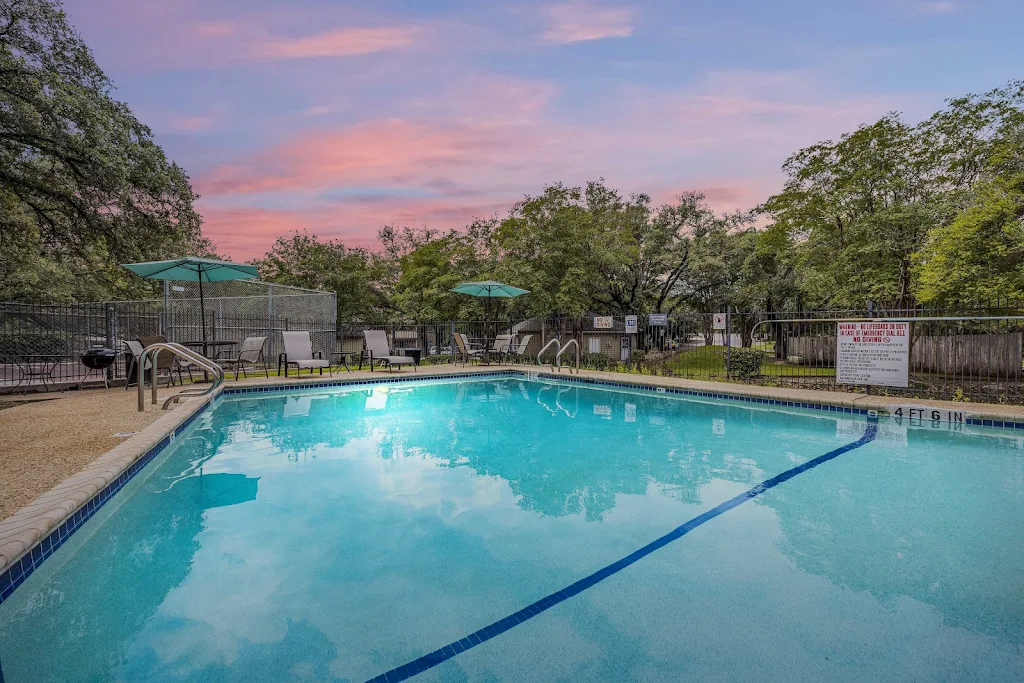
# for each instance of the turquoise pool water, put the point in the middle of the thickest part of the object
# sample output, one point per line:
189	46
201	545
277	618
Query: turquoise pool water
336	535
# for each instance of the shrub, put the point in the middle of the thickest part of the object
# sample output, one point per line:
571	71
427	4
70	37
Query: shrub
595	361
746	362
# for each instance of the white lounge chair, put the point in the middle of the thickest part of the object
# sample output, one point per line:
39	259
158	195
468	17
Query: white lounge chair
298	351
380	352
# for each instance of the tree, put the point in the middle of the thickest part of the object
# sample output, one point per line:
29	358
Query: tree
302	260
83	186
980	254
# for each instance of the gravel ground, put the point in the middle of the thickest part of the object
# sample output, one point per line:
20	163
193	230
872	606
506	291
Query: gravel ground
42	443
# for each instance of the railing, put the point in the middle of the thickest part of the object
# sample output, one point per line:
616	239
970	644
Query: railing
152	352
545	348
558	356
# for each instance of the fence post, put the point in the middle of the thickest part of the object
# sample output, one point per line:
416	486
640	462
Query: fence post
728	341
111	334
164	316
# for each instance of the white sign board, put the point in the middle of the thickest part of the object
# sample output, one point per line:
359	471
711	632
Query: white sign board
876	353
631	324
719	321
603	322
657	319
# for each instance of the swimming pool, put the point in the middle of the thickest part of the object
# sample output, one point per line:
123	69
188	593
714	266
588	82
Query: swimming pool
506	529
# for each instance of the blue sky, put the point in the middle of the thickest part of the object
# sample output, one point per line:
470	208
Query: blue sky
337	117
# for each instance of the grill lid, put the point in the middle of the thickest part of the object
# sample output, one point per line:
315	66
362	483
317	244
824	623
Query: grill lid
98	359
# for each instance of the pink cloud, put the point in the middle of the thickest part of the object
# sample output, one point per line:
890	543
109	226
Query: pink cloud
192	124
470	151
938	7
573	22
338	42
246	233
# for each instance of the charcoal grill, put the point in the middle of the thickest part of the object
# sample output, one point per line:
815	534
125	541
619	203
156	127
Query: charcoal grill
98	360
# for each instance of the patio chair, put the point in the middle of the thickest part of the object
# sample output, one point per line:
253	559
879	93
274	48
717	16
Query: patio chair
380	352
500	346
166	362
298	351
519	348
462	348
249	354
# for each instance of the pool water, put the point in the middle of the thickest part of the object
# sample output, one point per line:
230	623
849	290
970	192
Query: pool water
341	534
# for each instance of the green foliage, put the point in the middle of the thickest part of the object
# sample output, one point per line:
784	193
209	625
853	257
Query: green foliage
746	363
301	260
83	186
980	254
880	214
596	361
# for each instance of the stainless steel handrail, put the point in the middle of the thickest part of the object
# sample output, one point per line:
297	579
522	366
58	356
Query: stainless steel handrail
546	347
558	356
153	352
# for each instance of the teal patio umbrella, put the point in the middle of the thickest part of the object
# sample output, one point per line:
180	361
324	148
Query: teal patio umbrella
194	269
489	289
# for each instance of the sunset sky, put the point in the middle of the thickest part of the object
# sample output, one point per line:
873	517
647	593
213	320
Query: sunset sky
340	117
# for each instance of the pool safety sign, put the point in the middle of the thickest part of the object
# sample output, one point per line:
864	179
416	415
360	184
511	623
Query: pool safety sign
876	353
718	322
631	324
603	322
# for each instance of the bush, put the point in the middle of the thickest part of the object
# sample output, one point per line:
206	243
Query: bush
595	361
746	362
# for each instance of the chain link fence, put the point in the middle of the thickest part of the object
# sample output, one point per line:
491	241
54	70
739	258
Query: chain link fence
41	345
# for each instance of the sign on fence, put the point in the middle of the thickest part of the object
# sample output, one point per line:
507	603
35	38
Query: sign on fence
719	321
631	324
875	353
603	322
657	319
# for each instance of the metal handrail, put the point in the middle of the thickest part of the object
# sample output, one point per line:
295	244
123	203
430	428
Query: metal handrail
558	356
546	347
153	351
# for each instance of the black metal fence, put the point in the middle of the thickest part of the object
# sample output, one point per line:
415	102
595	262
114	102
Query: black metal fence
964	355
41	345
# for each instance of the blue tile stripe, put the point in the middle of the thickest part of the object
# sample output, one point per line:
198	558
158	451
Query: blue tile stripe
442	654
649	388
16	574
272	388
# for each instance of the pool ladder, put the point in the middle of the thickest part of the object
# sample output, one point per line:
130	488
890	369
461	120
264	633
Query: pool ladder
152	352
556	364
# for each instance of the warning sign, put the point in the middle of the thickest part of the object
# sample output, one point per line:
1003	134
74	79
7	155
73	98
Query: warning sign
876	353
718	322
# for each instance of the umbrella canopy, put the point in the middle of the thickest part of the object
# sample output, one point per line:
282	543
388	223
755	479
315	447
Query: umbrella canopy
194	269
490	289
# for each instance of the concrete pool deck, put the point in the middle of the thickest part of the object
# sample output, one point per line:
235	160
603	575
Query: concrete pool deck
58	454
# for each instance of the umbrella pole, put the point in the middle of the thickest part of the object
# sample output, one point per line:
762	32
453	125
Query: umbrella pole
487	318
202	312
